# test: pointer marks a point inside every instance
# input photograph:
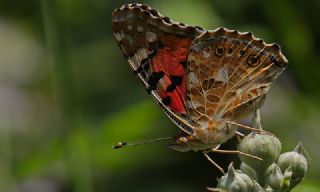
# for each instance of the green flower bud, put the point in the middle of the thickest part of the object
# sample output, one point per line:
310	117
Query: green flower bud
236	181
265	146
274	177
295	162
248	170
216	189
258	188
287	178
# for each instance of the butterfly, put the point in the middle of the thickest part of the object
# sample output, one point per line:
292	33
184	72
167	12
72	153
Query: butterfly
202	79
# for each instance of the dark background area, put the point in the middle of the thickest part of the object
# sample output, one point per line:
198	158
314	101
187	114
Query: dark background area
67	95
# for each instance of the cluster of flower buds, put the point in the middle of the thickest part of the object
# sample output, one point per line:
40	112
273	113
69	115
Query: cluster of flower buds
276	172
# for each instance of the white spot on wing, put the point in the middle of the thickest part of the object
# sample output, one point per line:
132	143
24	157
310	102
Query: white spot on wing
136	59
203	124
119	35
193	78
140	29
151	36
118	19
223	74
206	54
239	91
194	104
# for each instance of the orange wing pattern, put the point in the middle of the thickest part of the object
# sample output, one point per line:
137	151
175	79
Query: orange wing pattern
156	48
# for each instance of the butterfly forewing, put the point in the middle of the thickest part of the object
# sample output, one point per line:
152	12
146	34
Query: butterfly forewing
156	48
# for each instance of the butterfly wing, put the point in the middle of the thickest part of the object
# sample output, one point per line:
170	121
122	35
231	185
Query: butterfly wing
228	72
157	48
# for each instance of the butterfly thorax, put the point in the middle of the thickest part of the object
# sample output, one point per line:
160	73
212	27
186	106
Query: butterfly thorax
204	138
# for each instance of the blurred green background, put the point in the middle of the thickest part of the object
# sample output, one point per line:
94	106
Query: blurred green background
67	95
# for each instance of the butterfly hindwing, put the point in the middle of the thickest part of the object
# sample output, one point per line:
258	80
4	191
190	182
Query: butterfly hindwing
228	72
156	48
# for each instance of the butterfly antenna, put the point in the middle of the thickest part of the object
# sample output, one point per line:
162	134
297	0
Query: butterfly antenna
125	144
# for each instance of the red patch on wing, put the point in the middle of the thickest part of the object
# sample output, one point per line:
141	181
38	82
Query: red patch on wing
170	59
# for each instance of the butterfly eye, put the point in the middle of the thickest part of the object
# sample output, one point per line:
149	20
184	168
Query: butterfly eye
219	51
253	60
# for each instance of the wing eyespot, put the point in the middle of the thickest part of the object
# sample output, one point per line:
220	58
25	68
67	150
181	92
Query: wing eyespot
207	49
207	52
253	60
219	51
140	29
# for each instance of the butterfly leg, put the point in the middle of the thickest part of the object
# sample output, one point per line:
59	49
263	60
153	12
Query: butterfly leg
239	136
217	150
256	122
205	153
234	152
249	128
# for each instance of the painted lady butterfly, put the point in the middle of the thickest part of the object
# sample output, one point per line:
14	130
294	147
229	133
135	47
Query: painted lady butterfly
202	79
